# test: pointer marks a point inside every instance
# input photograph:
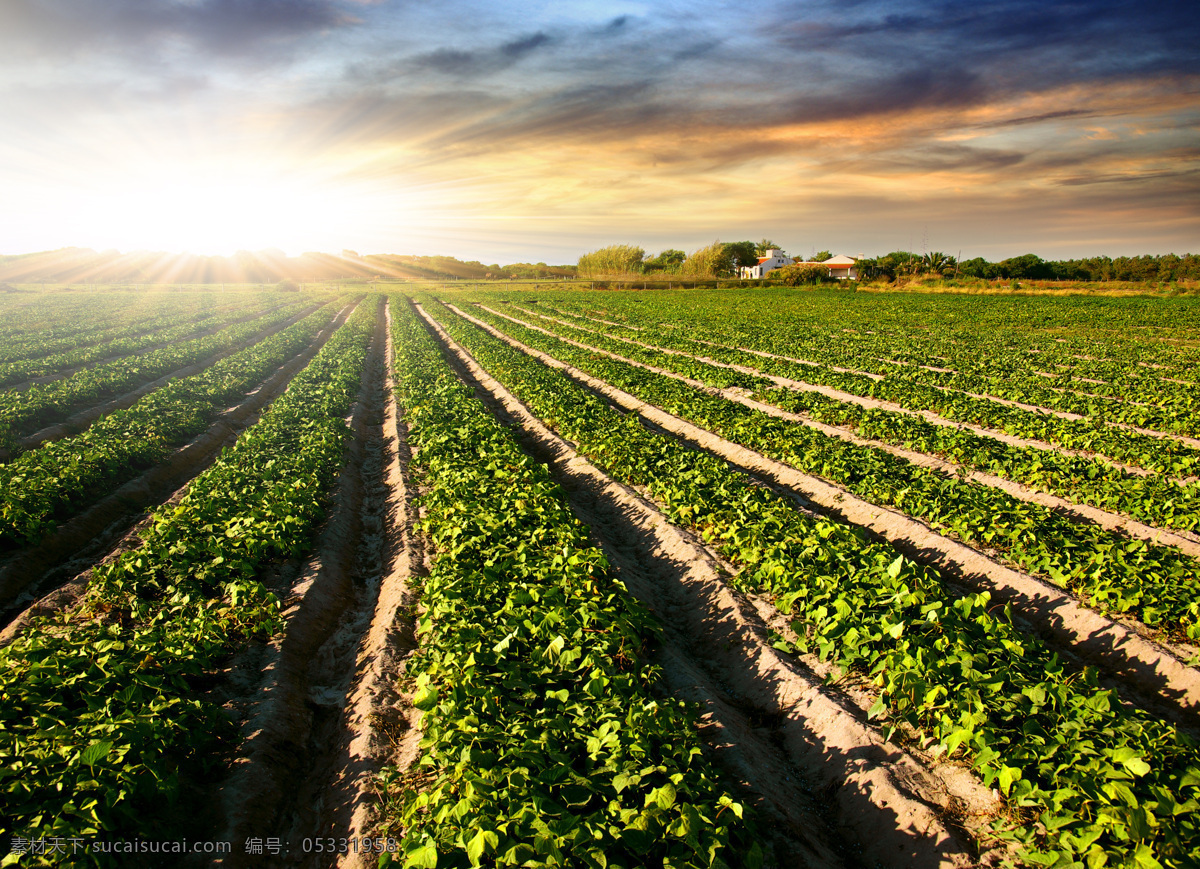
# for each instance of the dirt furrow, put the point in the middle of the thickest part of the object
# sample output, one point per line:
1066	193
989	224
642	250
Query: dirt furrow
381	725
318	704
27	576
766	716
84	418
1146	670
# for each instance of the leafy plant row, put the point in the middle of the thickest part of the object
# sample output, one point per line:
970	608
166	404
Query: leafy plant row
1156	454
102	722
61	477
129	339
1088	781
1155	500
58	324
544	743
1116	341
23	412
1112	573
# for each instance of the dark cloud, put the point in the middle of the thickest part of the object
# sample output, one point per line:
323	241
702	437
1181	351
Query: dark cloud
216	26
1015	40
520	47
917	88
464	63
1126	177
603	109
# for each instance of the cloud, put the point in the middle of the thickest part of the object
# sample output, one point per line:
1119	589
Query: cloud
221	27
466	64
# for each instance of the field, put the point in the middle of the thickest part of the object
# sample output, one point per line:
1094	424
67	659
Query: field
504	576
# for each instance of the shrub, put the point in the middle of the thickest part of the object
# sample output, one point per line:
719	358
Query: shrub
796	275
616	259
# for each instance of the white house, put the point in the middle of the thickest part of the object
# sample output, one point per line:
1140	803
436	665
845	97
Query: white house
773	260
841	267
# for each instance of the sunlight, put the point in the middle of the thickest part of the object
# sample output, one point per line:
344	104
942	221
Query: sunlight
214	211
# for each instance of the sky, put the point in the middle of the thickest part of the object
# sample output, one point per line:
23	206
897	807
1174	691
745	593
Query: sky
537	131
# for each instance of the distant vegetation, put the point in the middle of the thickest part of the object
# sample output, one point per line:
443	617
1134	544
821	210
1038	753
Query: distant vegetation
1164	268
719	260
82	265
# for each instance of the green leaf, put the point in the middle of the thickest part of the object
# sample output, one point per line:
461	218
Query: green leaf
664	796
479	844
425	698
1008	775
501	647
95	752
424	857
896	566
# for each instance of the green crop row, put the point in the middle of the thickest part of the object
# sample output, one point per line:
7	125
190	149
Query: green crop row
61	324
905	389
23	412
129	339
1114	574
543	741
101	718
62	477
1088	780
1121	342
1154	499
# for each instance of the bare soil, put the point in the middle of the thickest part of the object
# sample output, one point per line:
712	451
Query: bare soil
319	705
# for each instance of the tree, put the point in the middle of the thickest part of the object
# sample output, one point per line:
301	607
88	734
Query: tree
667	261
1028	265
822	256
937	262
743	253
765	245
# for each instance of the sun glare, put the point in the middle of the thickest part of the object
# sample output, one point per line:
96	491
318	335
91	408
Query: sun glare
207	212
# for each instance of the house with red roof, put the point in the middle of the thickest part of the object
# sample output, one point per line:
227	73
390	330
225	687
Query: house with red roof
772	260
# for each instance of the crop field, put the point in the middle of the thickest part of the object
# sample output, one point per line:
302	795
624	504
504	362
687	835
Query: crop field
503	576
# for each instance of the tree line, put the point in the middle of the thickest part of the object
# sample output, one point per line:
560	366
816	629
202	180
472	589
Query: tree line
719	259
724	259
1161	268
